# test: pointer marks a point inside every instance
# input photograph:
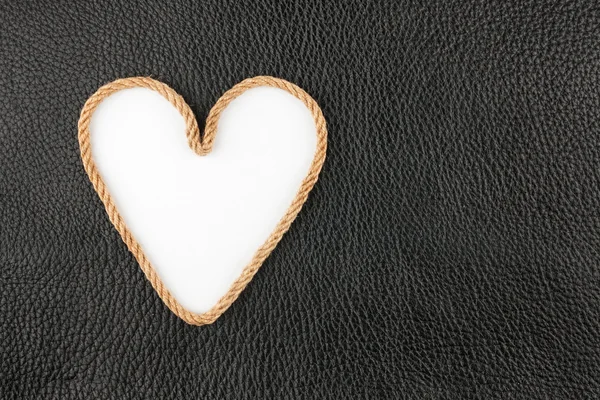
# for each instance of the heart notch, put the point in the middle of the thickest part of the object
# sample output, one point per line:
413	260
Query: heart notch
201	145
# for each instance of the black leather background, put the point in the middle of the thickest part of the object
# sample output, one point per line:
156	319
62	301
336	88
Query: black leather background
451	248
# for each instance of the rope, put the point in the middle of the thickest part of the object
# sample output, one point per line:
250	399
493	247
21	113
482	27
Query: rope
201	146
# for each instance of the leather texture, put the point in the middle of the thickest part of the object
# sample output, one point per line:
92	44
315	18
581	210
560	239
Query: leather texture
451	248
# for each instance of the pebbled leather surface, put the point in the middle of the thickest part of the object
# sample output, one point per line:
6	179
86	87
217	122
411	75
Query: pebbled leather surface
451	248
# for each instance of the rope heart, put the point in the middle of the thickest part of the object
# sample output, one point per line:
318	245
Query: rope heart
201	145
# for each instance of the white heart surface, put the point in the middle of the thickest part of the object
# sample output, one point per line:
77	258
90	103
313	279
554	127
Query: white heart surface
200	219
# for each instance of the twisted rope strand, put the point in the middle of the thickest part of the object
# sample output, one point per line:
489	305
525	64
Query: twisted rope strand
201	146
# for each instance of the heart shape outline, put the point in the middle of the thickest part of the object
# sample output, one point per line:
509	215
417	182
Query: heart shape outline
201	145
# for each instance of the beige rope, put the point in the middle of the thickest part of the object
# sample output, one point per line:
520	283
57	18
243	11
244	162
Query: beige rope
201	146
